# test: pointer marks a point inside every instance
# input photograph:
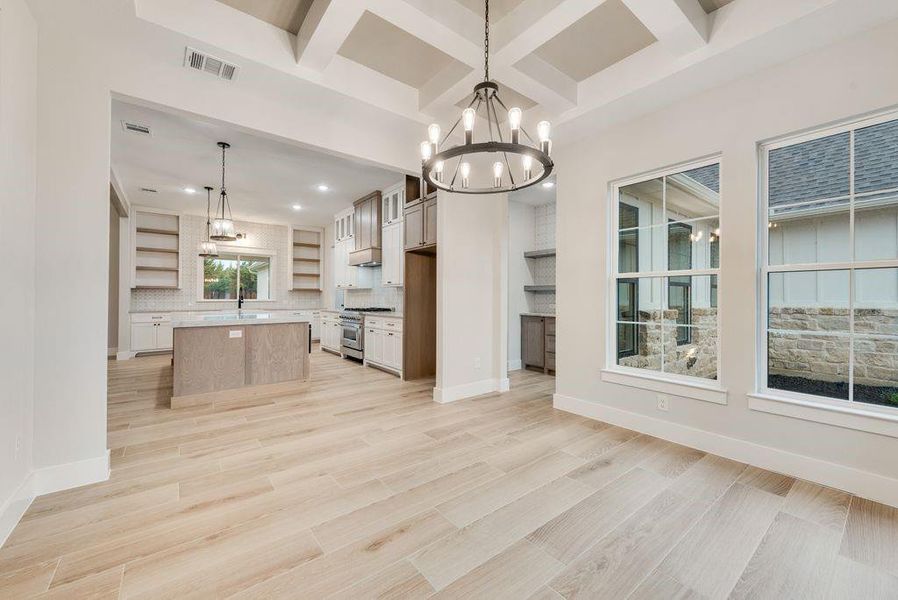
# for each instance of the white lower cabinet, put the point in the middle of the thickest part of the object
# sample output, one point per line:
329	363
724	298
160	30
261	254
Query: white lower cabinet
314	318
331	334
151	332
383	343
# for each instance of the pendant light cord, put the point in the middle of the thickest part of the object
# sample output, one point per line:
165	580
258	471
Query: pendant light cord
486	40
224	194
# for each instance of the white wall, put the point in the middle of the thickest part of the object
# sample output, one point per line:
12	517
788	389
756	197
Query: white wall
87	52
850	78
521	238
18	98
472	295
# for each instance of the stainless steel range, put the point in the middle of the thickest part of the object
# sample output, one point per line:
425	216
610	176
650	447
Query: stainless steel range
353	341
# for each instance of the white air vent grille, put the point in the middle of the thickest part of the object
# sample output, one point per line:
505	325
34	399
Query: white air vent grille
201	61
136	128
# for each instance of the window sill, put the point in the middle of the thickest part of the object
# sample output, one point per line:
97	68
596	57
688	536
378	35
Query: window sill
707	392
848	417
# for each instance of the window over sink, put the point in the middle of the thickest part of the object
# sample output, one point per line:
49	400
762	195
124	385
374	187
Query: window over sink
226	275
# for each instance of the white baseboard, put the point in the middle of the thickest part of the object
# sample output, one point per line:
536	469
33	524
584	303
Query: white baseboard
126	355
111	351
14	508
469	390
515	365
504	384
70	475
862	483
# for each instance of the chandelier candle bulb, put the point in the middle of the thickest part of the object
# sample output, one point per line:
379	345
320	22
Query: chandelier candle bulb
467	116
497	174
425	151
527	165
514	122
465	169
544	130
438	170
433	133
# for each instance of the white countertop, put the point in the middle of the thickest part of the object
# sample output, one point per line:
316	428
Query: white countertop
244	317
213	310
536	314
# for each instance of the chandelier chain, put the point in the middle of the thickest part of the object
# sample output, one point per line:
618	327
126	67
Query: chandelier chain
486	40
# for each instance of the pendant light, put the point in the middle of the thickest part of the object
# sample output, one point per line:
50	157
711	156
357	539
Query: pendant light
207	248
512	158
223	224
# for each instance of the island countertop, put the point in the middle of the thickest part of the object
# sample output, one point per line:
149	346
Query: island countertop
245	317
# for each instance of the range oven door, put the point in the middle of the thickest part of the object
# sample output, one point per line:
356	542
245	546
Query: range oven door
352	336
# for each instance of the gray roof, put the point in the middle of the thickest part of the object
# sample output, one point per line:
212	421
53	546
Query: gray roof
707	176
820	168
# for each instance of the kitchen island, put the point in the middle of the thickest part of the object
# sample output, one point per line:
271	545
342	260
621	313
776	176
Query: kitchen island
236	355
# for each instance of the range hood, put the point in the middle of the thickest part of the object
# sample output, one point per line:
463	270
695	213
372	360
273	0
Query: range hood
366	226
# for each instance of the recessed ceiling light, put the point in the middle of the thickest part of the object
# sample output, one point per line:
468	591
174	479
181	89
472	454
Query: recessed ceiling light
322	187
190	190
297	207
548	184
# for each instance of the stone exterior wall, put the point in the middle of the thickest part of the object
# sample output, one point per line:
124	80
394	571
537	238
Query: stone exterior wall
698	358
825	357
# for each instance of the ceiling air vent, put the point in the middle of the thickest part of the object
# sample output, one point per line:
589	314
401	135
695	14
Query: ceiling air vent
136	128
149	190
201	61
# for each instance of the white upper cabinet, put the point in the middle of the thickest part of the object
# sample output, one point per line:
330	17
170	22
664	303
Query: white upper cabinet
393	266
392	202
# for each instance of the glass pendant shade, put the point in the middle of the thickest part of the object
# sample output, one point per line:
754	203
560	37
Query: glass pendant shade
223	230
208	250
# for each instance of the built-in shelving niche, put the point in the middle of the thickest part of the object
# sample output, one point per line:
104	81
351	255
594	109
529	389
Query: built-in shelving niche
308	259
157	253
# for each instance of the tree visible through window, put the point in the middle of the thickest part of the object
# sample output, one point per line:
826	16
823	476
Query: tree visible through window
225	277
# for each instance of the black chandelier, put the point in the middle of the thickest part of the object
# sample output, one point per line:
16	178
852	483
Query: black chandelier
435	161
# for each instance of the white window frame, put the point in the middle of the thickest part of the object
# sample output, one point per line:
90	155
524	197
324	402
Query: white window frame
669	383
834	411
237	251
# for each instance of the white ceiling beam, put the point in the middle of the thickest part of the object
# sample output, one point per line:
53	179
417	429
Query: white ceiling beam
682	26
446	87
559	83
325	28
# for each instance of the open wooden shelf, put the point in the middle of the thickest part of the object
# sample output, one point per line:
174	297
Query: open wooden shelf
540	289
540	253
155	287
156	231
306	245
166	250
307	274
314	260
143	268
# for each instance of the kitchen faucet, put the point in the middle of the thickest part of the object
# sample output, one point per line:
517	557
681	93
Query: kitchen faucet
240	299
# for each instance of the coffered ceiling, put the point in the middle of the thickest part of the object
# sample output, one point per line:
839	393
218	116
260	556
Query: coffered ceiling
557	59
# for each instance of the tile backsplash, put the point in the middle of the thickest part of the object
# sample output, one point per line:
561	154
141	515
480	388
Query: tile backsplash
389	297
543	269
273	239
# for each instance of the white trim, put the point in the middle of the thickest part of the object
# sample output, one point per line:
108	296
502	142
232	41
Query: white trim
46	481
12	511
863	483
111	352
70	475
127	355
848	417
688	387
469	390
515	365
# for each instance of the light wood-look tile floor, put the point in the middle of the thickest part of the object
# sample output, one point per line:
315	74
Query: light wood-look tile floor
362	487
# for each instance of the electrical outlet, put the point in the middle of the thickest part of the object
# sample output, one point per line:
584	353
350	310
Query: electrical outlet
663	402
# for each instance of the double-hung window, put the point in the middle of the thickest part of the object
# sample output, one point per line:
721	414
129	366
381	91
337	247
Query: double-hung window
830	264
666	258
